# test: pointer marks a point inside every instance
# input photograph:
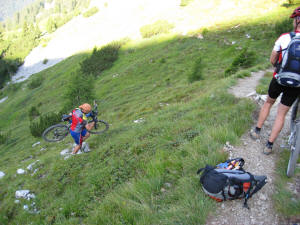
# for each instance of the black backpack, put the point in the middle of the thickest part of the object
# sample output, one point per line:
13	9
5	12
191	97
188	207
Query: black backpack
288	70
228	181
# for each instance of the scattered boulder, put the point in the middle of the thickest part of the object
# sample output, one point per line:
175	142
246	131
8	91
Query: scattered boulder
200	36
140	120
31	208
161	104
30	166
35	144
21	171
168	185
24	194
65	152
229	149
2	174
3	99
85	147
251	94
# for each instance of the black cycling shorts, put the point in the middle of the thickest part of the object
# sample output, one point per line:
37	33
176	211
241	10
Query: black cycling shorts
289	94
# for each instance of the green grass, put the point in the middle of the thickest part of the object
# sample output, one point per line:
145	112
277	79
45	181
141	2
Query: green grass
90	12
159	27
286	201
263	86
136	173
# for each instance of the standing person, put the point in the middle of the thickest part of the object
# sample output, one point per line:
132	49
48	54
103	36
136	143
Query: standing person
289	94
79	127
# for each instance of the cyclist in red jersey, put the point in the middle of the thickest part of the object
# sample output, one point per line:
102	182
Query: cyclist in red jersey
79	126
289	94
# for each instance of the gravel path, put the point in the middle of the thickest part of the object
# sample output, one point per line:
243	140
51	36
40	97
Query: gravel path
261	208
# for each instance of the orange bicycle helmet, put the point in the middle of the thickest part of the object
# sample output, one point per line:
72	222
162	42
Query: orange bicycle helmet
86	107
295	13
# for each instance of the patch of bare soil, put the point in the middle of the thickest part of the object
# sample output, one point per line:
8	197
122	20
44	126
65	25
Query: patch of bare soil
261	207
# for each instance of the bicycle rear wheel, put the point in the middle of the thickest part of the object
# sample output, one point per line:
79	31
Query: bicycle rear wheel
99	127
55	133
295	149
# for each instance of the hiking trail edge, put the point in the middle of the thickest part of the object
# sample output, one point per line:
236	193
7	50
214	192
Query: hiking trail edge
261	205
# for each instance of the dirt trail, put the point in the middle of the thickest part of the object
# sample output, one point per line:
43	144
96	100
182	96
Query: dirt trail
261	208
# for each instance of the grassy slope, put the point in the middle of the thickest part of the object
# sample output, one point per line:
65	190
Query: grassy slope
137	173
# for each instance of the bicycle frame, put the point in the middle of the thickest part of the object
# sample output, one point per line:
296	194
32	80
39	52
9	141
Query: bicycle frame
294	139
59	131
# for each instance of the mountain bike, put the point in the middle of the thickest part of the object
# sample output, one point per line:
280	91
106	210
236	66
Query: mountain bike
59	131
294	138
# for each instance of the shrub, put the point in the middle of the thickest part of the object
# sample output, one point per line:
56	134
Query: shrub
51	25
159	27
91	12
242	74
263	86
36	82
33	113
245	59
196	73
37	128
185	2
101	59
45	61
13	87
283	27
4	137
7	67
79	90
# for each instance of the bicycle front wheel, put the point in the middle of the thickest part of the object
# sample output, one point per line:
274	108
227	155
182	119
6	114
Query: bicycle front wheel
99	127
294	153
55	133
295	114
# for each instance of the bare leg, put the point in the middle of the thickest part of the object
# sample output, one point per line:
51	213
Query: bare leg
90	126
279	121
86	136
76	149
265	111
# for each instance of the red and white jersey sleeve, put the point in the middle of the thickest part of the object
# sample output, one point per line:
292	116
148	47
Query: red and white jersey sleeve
282	42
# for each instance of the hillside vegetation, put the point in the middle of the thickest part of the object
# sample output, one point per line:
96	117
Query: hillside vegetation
8	8
30	26
136	173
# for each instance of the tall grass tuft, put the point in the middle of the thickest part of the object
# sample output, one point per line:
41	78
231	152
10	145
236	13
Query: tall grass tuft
7	68
33	113
159	27
36	82
243	60
196	73
101	59
45	121
79	90
283	26
4	136
263	86
90	12
185	2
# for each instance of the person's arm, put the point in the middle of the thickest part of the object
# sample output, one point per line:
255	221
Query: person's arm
274	57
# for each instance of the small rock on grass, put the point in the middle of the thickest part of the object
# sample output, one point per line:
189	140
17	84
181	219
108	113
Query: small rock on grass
2	174
20	171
